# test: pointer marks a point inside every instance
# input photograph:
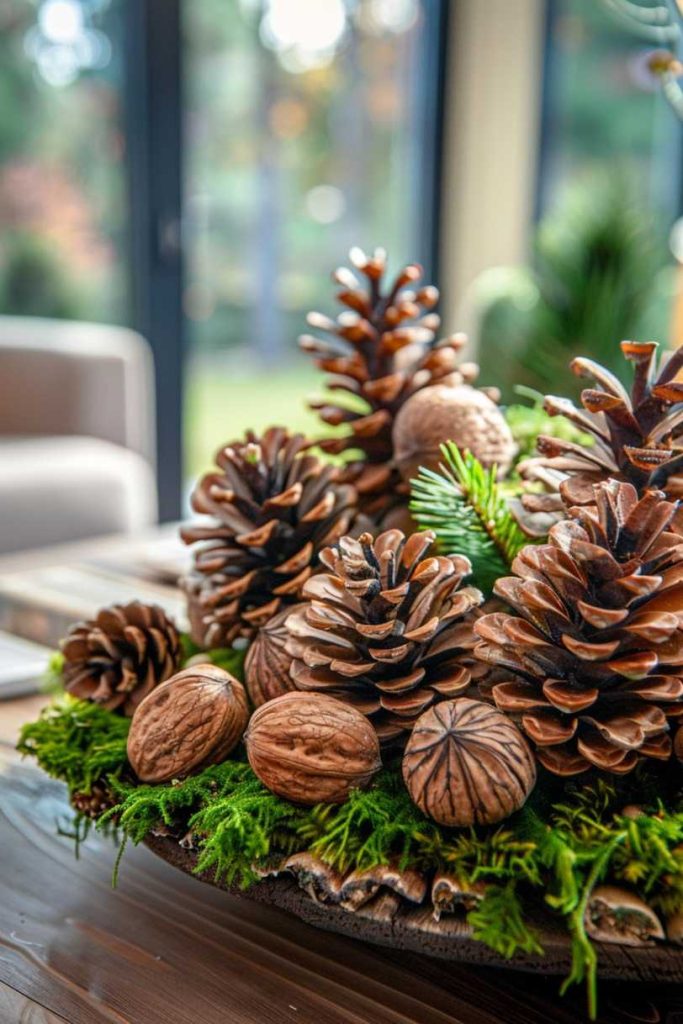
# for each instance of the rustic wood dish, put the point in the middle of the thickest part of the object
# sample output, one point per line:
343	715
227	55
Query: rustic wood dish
417	931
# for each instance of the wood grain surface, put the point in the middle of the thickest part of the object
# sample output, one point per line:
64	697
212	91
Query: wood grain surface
165	948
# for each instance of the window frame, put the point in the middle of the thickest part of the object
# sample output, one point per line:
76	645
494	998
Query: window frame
154	133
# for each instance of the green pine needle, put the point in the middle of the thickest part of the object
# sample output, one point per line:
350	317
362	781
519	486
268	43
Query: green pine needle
463	504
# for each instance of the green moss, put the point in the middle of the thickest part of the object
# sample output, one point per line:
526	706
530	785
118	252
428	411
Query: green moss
77	741
563	842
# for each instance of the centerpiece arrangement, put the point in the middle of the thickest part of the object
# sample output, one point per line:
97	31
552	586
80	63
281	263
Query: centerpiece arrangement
431	689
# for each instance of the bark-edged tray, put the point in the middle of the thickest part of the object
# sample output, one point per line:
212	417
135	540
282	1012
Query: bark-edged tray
449	939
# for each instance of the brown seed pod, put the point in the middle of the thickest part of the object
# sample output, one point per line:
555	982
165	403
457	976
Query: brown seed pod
442	413
266	669
195	719
617	915
466	763
310	748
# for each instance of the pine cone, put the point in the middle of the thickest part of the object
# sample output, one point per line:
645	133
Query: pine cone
380	350
274	507
122	654
638	436
95	803
386	629
595	653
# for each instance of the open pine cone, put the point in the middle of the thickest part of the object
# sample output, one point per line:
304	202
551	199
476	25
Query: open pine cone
117	658
595	651
385	629
274	506
379	351
638	437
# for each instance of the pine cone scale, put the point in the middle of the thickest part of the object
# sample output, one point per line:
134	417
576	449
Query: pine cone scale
596	684
274	507
385	629
117	658
638	436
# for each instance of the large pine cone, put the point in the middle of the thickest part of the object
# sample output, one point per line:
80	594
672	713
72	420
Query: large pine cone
274	507
638	437
379	351
595	653
385	629
117	658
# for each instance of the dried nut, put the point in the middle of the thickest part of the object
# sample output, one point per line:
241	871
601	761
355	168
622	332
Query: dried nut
194	719
266	669
466	763
310	748
616	915
444	413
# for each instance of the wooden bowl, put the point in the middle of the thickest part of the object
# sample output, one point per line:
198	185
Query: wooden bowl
449	939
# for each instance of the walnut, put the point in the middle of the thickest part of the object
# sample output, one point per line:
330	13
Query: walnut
444	413
266	669
466	763
310	748
195	719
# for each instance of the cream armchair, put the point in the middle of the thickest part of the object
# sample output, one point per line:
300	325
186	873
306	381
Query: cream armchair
76	432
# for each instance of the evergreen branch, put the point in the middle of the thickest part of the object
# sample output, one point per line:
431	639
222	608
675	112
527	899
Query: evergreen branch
463	504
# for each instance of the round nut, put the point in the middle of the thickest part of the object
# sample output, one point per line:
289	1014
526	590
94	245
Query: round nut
466	763
443	413
195	719
310	748
266	669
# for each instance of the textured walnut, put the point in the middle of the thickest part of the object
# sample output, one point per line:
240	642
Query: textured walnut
466	763
310	748
443	413
266	669
193	720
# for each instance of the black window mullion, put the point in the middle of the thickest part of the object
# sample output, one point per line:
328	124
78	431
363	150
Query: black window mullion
153	134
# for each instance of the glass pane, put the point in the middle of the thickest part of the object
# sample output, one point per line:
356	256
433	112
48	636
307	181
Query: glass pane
604	109
302	138
62	179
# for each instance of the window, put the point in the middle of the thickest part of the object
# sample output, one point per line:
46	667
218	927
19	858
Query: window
604	110
62	152
305	133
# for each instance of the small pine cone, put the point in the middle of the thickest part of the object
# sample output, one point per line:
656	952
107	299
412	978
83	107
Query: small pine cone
274	507
385	629
117	658
637	436
379	351
95	803
595	652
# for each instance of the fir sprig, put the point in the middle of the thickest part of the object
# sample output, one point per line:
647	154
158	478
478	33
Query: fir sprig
462	502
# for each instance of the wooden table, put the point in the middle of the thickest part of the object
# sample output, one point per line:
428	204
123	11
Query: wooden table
165	949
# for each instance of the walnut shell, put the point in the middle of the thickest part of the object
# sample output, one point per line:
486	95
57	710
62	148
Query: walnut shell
466	763
266	669
444	413
195	719
310	748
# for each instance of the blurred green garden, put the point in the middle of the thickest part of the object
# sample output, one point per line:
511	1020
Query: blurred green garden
288	164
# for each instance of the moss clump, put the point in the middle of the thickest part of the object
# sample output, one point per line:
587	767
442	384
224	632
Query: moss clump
77	742
556	849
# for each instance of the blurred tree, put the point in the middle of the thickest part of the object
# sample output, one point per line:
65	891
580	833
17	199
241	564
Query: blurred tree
34	280
590	286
